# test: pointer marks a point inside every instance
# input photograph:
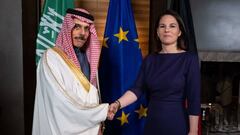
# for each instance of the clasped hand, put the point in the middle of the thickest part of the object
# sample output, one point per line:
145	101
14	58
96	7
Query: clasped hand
112	110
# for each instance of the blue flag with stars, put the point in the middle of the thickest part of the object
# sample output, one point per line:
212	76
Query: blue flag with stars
120	62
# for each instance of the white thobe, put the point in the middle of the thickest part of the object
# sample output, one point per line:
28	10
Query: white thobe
65	103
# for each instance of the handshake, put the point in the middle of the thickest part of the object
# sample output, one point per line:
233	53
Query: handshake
112	110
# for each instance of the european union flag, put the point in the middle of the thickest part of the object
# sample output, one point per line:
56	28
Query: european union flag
119	65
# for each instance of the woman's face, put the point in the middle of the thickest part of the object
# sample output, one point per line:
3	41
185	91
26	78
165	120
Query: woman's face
168	30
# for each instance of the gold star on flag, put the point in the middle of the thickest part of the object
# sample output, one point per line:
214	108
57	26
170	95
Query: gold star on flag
121	35
105	42
123	118
142	112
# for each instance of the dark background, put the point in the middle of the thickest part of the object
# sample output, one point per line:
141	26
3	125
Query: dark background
18	27
216	24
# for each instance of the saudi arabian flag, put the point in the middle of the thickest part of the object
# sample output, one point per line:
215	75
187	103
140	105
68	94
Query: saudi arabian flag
50	24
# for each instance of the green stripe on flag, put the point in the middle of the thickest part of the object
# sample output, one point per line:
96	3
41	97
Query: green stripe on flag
50	24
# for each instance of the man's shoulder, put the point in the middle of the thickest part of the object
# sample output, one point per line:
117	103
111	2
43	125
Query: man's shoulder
47	51
50	49
51	54
53	51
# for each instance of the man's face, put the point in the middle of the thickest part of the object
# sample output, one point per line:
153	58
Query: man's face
80	33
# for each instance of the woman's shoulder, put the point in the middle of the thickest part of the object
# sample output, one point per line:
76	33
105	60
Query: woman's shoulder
191	55
150	56
148	59
192	58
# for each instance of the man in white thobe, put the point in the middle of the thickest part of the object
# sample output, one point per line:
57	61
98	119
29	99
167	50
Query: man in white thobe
67	98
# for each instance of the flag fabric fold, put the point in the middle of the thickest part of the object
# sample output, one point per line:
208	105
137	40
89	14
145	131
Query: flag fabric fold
119	65
50	24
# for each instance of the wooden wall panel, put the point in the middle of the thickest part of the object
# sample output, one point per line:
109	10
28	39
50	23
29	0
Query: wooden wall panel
141	9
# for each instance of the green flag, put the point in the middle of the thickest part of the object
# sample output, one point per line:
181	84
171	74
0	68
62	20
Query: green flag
50	24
